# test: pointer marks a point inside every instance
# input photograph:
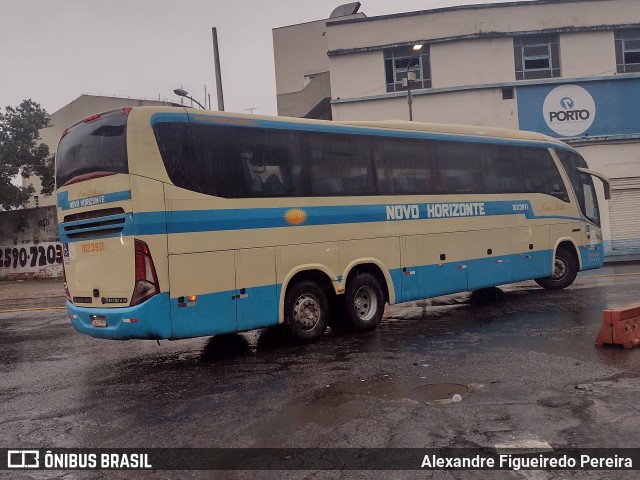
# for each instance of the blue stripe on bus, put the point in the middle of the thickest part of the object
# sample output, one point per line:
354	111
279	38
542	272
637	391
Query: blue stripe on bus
347	129
197	221
65	204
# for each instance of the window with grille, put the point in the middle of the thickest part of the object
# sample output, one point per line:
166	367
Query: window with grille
402	60
537	56
628	50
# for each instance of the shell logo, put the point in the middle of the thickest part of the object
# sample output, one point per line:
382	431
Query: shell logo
295	216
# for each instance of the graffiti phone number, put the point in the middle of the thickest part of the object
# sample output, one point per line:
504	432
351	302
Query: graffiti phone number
35	256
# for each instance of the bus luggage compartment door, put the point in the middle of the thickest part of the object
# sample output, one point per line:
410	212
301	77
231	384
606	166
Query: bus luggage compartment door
443	261
490	257
257	297
203	294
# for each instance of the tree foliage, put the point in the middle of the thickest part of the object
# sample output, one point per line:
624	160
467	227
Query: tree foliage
21	153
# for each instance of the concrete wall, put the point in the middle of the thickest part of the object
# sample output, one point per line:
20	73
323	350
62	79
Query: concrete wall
298	104
299	50
470	107
468	62
588	54
358	75
462	21
29	244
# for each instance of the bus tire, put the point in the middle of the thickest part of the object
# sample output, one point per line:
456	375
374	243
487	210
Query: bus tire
306	311
363	302
565	269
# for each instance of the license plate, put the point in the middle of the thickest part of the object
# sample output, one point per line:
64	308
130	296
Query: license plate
97	321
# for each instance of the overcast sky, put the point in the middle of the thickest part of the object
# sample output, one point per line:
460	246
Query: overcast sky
53	51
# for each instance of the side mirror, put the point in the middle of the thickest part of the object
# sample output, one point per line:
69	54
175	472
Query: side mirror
605	181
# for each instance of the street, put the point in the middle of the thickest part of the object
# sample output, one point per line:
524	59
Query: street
521	358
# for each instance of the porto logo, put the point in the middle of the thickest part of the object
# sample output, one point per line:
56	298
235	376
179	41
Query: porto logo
567	103
569	110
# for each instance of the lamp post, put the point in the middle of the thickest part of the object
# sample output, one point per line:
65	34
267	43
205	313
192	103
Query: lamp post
416	49
183	93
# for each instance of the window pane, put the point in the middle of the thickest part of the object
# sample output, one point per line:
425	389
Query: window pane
500	168
339	165
538	50
459	170
388	68
536	74
541	174
632	44
582	184
537	64
632	57
404	167
230	162
269	163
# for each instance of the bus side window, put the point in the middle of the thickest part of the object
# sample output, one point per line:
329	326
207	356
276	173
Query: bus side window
404	167
339	165
459	168
541	174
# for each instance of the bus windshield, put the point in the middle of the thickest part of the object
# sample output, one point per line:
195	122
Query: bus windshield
96	146
582	184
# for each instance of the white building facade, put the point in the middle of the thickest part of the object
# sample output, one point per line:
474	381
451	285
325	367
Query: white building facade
566	68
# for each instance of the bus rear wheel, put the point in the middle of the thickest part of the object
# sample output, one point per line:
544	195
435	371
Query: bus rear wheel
363	302
565	269
306	311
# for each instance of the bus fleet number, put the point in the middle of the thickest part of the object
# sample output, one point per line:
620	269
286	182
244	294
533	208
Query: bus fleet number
39	256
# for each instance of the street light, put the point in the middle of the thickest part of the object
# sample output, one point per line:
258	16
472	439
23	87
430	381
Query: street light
416	49
183	93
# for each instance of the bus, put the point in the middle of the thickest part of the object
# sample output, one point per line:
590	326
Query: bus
179	223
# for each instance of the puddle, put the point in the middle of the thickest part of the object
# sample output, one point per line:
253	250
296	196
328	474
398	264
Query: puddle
337	404
439	393
401	388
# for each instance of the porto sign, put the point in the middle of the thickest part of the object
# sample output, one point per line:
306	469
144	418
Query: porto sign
569	110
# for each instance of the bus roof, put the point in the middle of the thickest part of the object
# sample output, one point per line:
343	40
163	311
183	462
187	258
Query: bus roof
443	129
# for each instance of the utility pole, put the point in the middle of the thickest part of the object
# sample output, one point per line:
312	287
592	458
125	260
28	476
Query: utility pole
216	60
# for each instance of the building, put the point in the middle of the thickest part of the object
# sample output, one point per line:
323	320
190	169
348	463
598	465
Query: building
81	107
566	68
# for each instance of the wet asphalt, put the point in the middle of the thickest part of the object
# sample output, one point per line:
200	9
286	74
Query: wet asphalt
521	358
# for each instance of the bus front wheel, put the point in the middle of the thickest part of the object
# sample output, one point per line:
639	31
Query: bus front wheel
363	302
565	269
306	311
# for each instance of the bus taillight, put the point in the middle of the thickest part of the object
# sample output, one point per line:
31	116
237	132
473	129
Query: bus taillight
146	282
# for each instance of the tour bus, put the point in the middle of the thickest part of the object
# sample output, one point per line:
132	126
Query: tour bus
180	223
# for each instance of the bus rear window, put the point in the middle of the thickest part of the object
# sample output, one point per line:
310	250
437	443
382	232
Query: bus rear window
97	146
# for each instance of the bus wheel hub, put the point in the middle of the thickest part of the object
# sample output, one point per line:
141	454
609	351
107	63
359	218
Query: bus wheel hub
306	312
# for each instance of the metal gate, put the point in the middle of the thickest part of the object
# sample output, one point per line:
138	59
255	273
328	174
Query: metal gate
624	213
